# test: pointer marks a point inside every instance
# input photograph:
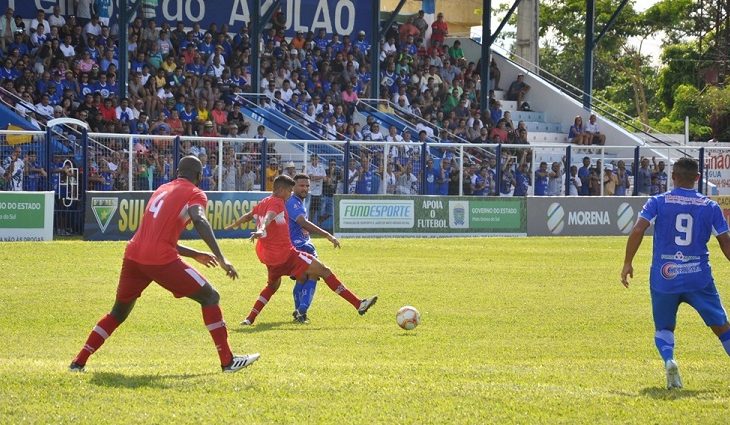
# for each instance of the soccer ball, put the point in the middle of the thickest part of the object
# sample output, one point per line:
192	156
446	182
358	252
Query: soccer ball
408	317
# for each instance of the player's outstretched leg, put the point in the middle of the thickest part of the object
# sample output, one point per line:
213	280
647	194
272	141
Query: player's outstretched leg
318	270
263	299
723	333
100	333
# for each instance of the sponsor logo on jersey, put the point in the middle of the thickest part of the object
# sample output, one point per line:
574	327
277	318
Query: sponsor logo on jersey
671	270
679	256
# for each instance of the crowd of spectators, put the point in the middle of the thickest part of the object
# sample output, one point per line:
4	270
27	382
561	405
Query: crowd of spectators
185	82
189	82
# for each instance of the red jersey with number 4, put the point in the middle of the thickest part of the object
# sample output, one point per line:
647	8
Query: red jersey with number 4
165	217
274	247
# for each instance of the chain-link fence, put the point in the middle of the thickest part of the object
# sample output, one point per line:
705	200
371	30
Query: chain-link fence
32	161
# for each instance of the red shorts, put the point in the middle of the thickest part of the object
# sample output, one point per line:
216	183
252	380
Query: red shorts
297	263
177	277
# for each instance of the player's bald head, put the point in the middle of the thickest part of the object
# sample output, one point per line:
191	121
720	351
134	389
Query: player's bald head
190	168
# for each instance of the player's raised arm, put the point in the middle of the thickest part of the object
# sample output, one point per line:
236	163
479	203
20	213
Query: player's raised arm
243	219
261	230
632	246
202	226
313	228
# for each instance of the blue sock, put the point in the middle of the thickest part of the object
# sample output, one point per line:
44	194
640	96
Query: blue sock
725	340
306	295
297	292
664	341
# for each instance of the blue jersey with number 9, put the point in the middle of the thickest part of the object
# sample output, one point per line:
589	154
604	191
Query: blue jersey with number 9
683	221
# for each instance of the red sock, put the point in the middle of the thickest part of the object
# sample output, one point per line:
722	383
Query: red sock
213	318
96	338
264	298
337	286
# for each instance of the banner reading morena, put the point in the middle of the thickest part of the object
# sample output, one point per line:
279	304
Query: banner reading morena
26	216
428	216
335	16
582	216
113	216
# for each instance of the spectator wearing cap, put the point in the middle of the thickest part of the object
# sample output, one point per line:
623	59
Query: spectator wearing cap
610	181
209	130
362	46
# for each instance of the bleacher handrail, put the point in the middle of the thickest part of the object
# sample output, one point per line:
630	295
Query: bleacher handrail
596	102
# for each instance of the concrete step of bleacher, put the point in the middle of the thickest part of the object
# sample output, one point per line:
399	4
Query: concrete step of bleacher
528	116
544	127
547	138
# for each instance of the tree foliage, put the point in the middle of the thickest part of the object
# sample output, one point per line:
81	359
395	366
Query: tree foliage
695	38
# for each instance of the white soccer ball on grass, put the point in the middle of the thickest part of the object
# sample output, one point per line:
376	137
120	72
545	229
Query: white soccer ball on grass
408	317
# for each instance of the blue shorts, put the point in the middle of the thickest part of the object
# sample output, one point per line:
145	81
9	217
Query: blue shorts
706	301
308	248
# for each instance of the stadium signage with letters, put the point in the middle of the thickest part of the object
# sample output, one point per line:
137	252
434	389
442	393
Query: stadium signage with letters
428	216
582	216
340	16
26	216
717	169
117	215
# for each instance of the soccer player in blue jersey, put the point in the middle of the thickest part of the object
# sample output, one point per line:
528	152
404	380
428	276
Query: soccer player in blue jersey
299	229
680	272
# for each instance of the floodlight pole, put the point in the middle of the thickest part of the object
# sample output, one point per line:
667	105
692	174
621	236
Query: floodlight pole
377	33
486	54
487	41
375	50
257	27
126	11
590	44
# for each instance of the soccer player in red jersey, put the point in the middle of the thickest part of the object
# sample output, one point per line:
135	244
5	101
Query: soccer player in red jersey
274	248
153	254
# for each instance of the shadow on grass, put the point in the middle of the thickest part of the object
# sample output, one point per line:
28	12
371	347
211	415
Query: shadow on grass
277	326
661	393
119	380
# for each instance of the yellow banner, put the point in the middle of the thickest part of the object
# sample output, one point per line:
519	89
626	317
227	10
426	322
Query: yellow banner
17	139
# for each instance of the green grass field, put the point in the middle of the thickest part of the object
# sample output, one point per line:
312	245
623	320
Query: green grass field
518	330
